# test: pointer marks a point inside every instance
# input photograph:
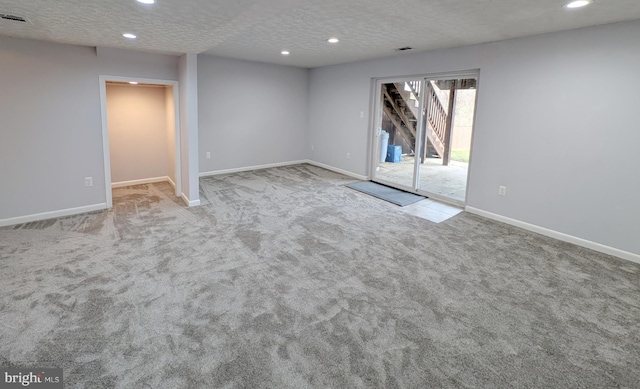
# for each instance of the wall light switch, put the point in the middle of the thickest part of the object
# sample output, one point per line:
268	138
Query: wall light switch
502	190
208	154
88	181
348	155
361	114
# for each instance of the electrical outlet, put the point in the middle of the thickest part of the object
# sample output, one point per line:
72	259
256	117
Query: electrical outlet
361	114
208	154
88	181
502	190
348	155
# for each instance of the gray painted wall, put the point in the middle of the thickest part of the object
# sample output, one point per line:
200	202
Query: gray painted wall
556	123
188	104
250	113
51	134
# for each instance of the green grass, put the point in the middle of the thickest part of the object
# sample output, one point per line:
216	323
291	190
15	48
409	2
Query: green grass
460	155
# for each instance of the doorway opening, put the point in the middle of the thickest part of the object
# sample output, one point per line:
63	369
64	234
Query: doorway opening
423	132
140	133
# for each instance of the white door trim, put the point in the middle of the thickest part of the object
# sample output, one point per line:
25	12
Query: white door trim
105	128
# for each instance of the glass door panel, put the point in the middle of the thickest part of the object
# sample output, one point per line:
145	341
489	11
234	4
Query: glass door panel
446	138
398	116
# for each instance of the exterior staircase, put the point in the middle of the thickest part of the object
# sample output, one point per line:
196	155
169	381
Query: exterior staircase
401	107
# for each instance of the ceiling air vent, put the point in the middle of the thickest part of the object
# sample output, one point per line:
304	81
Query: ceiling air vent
404	48
14	18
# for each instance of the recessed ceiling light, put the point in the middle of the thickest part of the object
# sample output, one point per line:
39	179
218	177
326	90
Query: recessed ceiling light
133	82
577	4
147	1
333	40
129	36
285	52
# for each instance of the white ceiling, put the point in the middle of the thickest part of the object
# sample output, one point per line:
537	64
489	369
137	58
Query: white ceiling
259	29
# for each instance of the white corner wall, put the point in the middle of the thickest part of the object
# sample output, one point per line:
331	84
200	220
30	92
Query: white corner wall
51	133
556	123
137	121
250	113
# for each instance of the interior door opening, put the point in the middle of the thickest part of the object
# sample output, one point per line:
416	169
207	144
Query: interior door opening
423	133
140	134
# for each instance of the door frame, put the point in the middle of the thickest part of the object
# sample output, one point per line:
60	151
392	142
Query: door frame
103	79
374	138
376	109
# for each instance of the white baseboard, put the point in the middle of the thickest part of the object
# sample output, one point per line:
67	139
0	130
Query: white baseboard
557	235
337	170
190	203
280	164
51	215
170	181
141	181
249	168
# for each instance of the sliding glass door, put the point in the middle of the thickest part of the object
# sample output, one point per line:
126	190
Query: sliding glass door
423	134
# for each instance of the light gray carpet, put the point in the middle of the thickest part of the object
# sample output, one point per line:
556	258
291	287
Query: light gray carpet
385	193
286	279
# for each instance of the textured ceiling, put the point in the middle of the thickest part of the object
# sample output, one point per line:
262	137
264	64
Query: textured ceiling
259	29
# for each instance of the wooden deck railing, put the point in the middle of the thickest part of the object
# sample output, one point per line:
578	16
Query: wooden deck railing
436	113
